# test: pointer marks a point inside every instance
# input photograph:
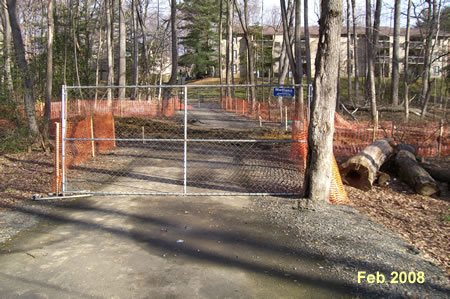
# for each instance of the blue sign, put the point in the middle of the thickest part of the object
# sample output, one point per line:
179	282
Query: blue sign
283	92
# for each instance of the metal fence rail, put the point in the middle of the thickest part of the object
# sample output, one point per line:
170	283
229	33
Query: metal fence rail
177	140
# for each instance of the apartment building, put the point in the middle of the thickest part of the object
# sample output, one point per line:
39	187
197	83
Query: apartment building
270	40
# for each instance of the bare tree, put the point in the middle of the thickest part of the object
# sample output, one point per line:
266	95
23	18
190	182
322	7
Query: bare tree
109	47
135	48
355	51
48	96
307	46
229	45
406	64
27	83
7	48
249	44
173	24
372	35
220	46
395	54
122	51
349	52
321	127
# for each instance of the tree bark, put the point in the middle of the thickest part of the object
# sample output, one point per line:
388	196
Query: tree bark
135	49
406	76
321	127
349	53
27	83
7	48
395	54
307	46
440	174
249	44
48	95
360	170
122	51
109	47
220	47
355	51
229	45
414	175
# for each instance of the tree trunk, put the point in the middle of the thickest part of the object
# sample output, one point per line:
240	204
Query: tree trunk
229	66
7	48
321	127
360	170
122	51
438	173
74	12
307	46
415	176
48	95
349	58
298	48
248	42
406	76
135	49
220	47
27	83
109	47
355	51
395	54
173	23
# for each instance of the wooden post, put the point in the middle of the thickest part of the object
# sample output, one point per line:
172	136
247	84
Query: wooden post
285	119
143	134
57	153
92	137
281	114
441	136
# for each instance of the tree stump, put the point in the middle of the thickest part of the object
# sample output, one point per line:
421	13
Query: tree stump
410	171
360	171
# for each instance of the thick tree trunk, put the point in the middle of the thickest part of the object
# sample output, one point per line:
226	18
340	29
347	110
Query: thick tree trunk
413	174
360	170
122	51
321	127
395	54
27	83
438	173
48	95
173	24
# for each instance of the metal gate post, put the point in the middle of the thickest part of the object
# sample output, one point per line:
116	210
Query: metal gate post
63	136
185	140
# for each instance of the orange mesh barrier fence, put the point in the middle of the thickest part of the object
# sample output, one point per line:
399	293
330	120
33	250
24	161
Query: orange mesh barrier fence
79	151
350	137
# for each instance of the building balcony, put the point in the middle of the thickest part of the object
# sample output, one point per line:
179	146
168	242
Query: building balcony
416	60
383	59
416	44
384	44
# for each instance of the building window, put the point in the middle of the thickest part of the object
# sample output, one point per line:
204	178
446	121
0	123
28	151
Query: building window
234	40
436	70
234	69
234	54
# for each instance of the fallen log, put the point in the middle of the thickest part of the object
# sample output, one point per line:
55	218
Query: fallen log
360	171
442	175
410	172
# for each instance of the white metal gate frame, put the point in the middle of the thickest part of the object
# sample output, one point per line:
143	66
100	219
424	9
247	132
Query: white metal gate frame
185	140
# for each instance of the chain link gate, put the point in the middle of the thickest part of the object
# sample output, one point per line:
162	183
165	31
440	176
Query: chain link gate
178	140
